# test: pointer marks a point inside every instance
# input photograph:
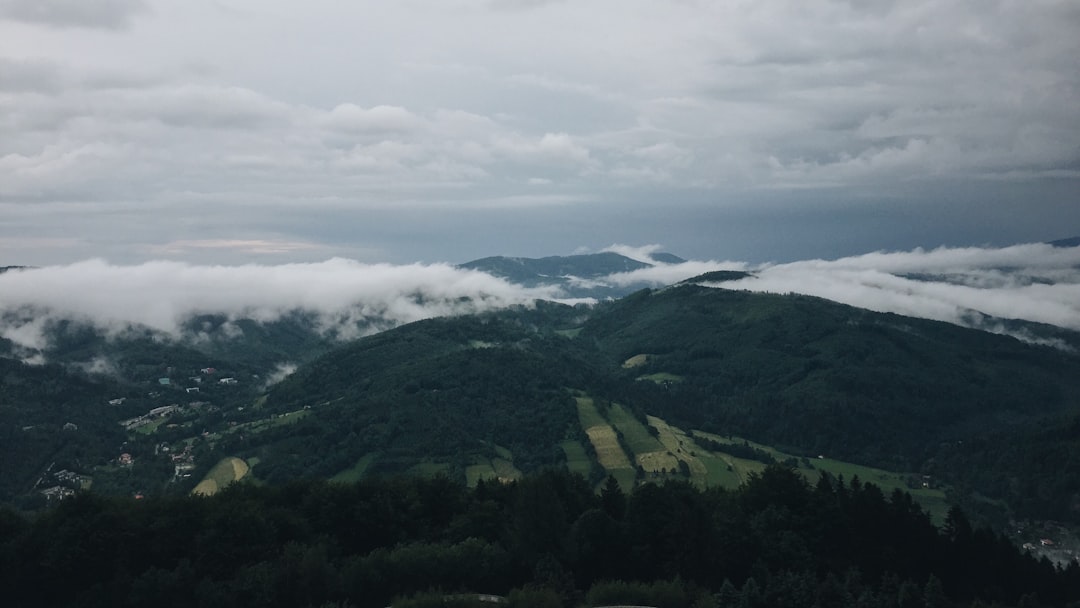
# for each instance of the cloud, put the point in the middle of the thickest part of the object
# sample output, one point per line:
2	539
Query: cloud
974	287
350	117
260	246
348	297
362	107
1034	282
279	373
667	274
95	14
1031	282
28	76
641	254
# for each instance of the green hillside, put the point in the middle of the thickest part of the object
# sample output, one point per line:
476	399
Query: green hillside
693	383
807	376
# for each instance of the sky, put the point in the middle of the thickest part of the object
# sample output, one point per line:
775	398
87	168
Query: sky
233	132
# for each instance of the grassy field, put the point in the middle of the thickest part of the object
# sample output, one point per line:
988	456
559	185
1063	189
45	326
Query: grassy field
501	469
606	444
568	333
356	472
146	429
661	377
476	472
257	426
931	499
577	460
226	471
505	469
680	448
608	451
635	361
637	436
588	414
428	469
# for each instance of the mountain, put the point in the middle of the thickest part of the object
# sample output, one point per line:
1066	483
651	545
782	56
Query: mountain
1070	242
519	388
689	381
573	273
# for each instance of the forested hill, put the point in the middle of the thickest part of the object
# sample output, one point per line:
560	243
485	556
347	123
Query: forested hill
804	374
661	384
825	377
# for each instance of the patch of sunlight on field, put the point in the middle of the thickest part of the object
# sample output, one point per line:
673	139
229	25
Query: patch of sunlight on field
226	471
568	333
635	361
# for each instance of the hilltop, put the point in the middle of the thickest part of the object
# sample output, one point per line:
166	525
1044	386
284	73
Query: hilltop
573	273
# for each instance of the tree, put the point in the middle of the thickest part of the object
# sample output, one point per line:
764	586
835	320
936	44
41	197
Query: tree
612	499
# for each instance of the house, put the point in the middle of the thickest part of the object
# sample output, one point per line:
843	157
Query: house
193	389
126	460
71	426
1046	542
162	411
208	371
164	381
119	401
68	476
58	493
227	381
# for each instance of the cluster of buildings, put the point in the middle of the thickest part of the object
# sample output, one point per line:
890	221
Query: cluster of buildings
158	412
64	484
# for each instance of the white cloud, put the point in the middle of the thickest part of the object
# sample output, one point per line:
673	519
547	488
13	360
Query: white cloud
1034	282
279	373
641	254
351	117
162	295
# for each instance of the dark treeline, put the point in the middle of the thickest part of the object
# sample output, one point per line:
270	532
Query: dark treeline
547	540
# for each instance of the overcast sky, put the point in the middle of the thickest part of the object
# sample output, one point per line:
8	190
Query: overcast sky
244	131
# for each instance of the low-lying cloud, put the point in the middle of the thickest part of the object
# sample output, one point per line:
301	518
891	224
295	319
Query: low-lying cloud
1032	282
347	297
974	287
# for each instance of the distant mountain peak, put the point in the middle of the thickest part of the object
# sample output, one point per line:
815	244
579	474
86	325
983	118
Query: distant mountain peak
558	270
1069	242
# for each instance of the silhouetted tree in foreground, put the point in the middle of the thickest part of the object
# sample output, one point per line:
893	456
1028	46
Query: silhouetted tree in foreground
547	540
